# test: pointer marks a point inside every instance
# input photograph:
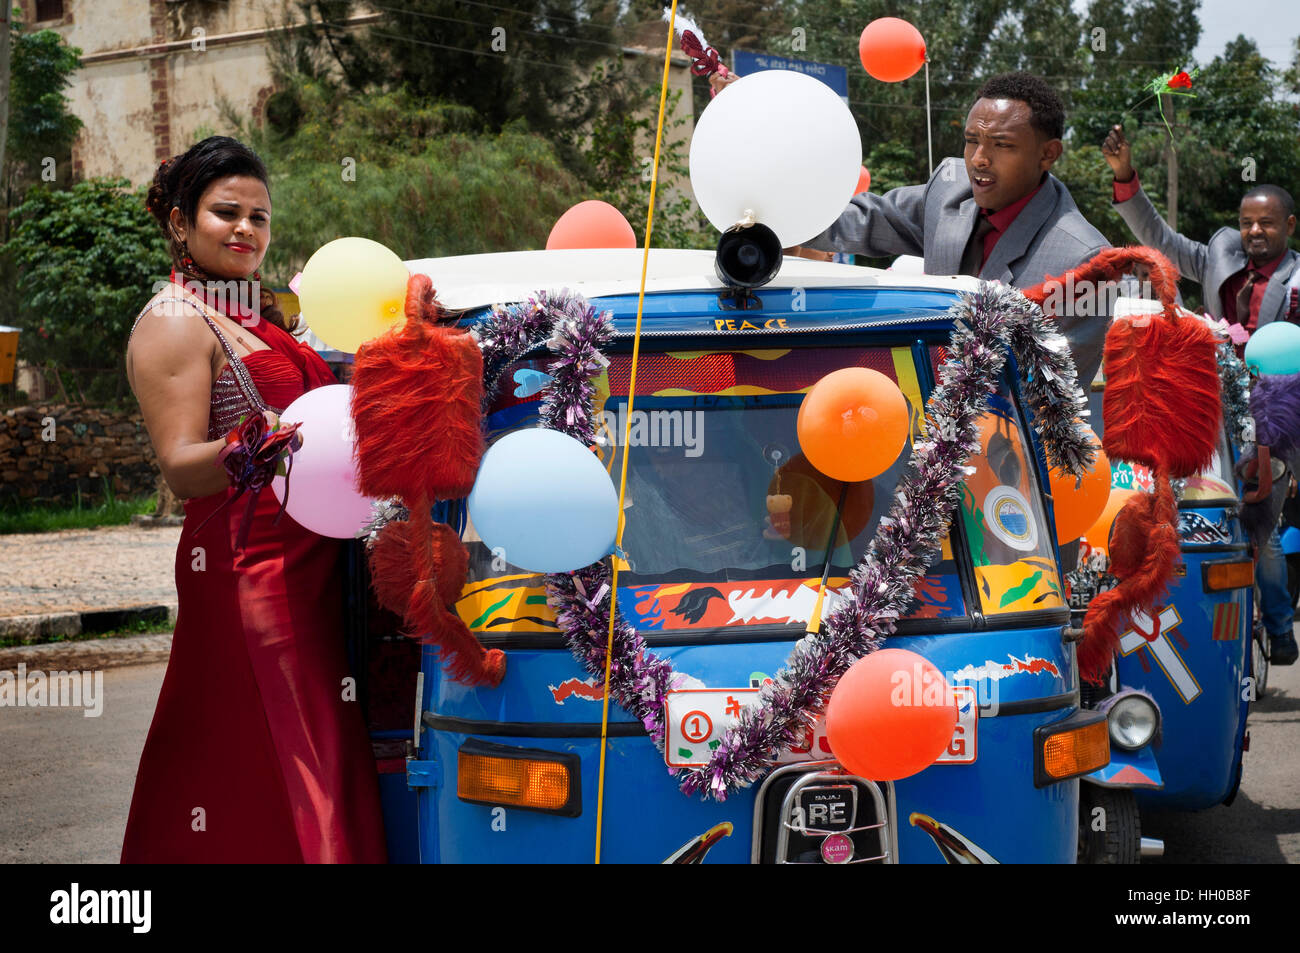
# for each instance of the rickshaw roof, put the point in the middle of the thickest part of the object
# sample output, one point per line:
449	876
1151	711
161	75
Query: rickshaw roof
475	281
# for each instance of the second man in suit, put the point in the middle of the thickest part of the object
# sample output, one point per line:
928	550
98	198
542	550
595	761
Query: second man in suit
1249	277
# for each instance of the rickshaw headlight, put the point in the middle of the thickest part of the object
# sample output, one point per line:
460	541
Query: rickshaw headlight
530	778
1134	720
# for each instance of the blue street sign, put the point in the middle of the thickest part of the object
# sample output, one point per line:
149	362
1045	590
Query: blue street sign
744	62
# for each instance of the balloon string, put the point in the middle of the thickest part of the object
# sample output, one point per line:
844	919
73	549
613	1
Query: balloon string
627	424
929	142
815	620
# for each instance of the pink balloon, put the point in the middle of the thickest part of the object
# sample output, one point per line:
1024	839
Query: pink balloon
323	495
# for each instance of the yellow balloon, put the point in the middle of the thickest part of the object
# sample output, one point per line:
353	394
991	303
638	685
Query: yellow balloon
352	290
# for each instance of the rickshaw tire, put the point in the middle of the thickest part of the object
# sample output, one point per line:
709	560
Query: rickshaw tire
1120	841
1259	654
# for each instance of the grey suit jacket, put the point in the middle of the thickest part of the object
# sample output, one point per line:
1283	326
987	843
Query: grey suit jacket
935	220
1209	265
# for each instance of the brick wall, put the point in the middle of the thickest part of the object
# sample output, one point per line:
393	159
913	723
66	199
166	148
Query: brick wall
88	446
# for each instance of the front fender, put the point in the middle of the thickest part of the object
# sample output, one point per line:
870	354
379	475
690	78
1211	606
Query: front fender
1128	769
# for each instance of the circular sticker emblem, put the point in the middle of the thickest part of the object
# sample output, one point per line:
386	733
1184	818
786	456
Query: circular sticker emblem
1008	516
837	849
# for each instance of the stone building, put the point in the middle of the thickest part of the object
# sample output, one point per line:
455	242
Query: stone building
155	73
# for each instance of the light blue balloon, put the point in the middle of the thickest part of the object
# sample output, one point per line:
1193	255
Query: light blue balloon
1291	541
545	501
1274	349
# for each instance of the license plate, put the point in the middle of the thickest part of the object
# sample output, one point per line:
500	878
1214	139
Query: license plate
825	808
697	718
961	747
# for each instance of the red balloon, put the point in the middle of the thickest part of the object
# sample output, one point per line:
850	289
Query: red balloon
864	182
591	224
890	715
891	49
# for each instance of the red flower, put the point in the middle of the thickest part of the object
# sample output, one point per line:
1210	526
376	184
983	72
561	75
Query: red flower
1180	80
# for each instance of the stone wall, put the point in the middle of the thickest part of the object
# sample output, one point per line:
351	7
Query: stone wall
87	446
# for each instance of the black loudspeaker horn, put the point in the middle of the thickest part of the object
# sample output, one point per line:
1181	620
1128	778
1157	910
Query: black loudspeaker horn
749	256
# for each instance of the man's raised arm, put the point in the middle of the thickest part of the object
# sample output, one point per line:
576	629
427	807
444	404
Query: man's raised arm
878	225
1141	216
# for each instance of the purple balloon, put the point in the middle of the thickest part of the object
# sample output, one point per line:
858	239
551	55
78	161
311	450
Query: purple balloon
323	495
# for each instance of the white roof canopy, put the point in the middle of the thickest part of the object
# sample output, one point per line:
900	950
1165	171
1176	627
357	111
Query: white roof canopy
471	281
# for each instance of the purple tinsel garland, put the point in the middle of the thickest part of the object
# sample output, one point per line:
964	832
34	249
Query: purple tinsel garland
988	323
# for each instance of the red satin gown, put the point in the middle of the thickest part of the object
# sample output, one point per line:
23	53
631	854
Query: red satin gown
257	751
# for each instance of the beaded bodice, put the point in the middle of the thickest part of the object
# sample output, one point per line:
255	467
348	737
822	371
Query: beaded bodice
234	394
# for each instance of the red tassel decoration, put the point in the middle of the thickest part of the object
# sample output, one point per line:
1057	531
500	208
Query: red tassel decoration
417	395
1144	550
1162	408
417	406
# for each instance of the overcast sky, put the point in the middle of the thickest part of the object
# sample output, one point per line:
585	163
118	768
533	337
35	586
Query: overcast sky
1272	24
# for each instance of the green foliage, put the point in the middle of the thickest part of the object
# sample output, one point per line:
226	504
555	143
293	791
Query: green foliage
40	69
48	519
86	258
419	177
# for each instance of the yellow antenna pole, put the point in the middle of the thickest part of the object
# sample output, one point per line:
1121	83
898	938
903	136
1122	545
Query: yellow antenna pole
627	424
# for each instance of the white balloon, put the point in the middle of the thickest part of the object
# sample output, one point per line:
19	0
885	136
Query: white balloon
782	145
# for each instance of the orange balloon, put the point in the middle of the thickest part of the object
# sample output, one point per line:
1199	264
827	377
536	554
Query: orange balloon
1098	534
591	224
1077	508
864	181
853	423
891	49
890	715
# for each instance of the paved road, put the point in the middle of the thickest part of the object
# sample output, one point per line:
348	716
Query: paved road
66	784
77	569
1263	824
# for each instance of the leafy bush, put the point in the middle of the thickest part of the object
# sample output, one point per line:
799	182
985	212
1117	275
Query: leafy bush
87	258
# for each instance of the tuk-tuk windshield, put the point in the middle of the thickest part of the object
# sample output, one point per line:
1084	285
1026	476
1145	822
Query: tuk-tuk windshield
727	522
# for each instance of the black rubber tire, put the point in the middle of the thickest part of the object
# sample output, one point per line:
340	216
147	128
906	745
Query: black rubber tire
1121	840
1259	661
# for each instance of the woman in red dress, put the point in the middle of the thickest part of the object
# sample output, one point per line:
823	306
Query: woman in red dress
258	751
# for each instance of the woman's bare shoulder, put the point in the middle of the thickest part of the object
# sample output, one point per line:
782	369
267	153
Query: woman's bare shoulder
169	325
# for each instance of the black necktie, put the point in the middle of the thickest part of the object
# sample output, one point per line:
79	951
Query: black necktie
972	258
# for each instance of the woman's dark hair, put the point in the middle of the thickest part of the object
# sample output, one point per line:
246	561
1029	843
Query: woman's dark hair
180	182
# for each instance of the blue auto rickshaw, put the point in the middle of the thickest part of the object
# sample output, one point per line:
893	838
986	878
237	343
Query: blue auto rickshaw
729	533
1179	691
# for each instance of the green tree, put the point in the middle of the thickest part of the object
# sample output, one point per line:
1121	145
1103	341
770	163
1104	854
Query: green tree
40	125
416	176
87	257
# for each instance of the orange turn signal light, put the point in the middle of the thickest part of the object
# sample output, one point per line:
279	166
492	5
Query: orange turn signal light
1066	749
528	778
1227	574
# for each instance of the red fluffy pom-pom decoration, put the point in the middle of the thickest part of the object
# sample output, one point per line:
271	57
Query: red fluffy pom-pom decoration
418	568
1144	550
417	394
1162	404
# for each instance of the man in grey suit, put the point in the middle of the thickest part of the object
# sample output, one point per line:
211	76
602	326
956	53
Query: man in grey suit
1250	277
1247	273
998	213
